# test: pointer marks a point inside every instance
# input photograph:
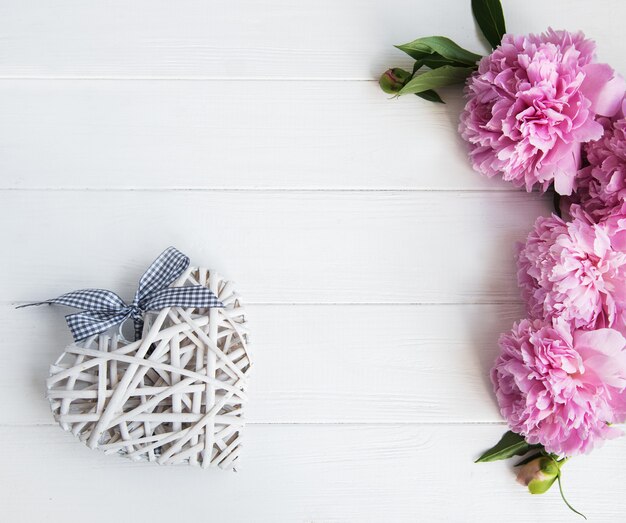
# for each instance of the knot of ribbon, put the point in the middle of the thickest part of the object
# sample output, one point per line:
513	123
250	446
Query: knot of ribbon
102	309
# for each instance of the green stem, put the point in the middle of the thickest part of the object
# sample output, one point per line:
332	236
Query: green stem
559	464
558	478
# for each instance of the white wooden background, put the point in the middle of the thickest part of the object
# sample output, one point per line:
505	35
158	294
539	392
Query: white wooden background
378	267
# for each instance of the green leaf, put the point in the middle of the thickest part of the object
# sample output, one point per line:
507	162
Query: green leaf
431	96
441	46
417	66
510	445
446	75
490	19
434	61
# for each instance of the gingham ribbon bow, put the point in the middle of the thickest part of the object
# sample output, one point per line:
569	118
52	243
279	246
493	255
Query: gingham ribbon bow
103	309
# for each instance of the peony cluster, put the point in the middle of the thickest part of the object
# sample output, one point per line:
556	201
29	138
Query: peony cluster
541	112
560	379
531	105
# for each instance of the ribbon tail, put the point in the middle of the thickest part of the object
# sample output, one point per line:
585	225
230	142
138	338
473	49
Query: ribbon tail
35	304
97	300
138	321
87	323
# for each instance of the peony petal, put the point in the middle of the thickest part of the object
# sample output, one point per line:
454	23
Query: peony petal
566	168
606	341
618	241
604	88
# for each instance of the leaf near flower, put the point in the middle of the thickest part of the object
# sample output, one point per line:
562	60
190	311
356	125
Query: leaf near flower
510	445
436	51
430	80
490	19
430	96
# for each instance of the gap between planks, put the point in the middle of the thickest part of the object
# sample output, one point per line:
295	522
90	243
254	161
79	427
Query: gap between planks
17	303
281	190
189	79
320	423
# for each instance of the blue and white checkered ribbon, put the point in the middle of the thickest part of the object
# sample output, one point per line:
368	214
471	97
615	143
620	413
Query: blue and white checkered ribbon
103	309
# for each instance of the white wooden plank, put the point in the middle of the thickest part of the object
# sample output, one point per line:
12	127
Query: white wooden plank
338	363
304	135
317	363
351	39
301	473
281	247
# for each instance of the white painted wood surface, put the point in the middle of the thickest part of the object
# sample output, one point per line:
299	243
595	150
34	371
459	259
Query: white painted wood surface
377	266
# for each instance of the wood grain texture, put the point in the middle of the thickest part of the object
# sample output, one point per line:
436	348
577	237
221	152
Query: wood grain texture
314	363
310	39
331	473
378	267
281	247
260	134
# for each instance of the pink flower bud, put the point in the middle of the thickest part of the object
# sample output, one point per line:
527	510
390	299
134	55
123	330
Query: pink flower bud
538	475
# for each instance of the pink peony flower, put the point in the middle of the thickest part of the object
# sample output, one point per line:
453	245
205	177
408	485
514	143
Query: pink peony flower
601	186
575	271
531	105
561	389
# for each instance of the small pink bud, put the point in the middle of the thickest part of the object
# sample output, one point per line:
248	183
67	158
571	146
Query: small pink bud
538	475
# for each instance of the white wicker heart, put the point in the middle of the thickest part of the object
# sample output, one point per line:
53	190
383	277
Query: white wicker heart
175	396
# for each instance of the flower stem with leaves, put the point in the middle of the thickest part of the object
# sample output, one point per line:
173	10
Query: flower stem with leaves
439	61
538	471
